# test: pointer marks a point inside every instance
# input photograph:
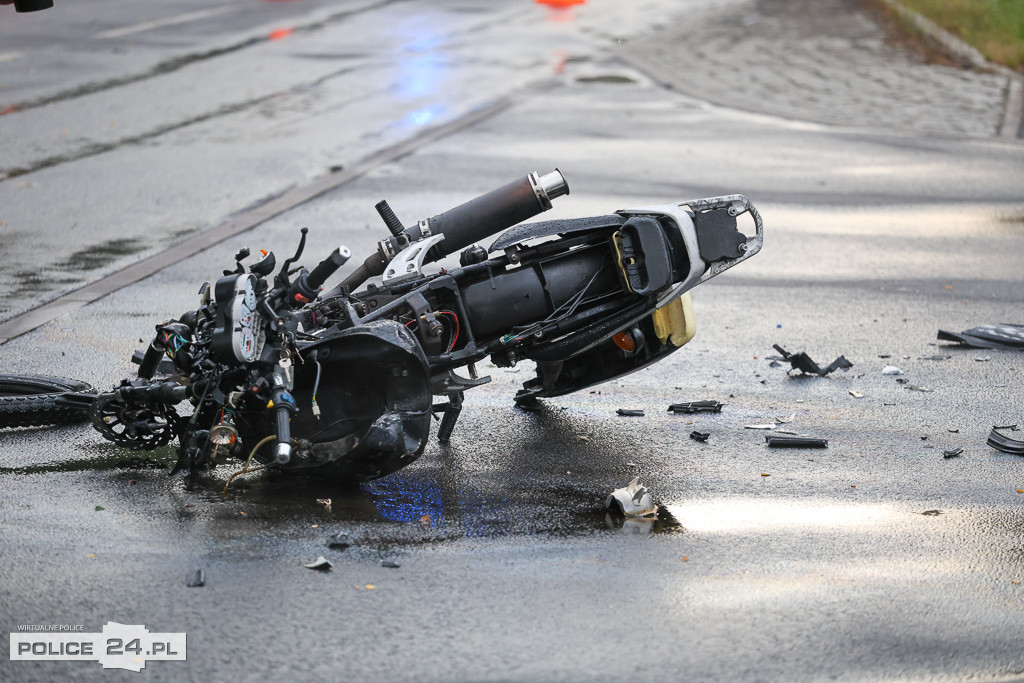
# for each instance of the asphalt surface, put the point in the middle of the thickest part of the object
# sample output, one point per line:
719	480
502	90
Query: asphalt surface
874	559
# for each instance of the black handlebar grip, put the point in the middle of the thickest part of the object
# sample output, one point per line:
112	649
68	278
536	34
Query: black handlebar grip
327	268
284	406
492	212
150	362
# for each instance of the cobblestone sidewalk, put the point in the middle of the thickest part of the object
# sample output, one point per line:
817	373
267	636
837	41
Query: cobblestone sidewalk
825	61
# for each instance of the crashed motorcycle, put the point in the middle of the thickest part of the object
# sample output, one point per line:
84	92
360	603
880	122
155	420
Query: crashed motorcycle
273	370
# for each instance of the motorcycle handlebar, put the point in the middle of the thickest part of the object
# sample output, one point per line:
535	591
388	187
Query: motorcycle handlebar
327	267
468	223
283	408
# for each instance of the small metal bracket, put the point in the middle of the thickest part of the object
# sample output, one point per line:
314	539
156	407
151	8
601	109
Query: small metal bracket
449	382
408	263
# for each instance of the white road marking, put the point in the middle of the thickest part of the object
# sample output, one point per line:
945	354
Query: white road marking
169	21
9	56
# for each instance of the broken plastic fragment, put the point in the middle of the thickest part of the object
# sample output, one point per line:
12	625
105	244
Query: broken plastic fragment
390	564
629	412
196	579
891	370
1003	443
700	436
633	500
856	394
952	452
691	407
320	564
795	442
802	362
765	426
339	541
1000	336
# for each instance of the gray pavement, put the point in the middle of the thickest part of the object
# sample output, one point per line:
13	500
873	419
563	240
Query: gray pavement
873	560
826	61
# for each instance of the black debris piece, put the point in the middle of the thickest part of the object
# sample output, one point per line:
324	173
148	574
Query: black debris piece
691	407
700	436
390	564
952	452
932	513
998	336
196	579
775	441
802	362
629	412
937	358
1003	443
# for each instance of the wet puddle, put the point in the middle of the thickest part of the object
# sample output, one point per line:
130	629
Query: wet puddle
412	507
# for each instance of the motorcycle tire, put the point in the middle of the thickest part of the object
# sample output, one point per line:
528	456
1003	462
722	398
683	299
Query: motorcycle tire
31	401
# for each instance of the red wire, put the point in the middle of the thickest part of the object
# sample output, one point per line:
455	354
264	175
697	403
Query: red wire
457	328
456	337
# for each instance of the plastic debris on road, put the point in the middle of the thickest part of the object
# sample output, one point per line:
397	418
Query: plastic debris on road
700	436
691	407
995	336
802	362
339	541
891	370
321	564
952	452
633	500
1001	442
629	412
196	579
774	441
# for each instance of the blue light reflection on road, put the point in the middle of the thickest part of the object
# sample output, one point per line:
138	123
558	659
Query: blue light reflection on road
404	498
422	117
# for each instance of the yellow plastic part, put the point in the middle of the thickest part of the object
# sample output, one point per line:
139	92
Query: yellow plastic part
675	322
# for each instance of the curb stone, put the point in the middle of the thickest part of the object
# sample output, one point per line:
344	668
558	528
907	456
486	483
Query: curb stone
1013	114
825	62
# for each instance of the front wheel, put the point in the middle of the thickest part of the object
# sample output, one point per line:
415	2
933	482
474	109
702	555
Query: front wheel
31	401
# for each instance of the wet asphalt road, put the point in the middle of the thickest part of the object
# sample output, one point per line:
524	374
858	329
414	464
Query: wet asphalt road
874	559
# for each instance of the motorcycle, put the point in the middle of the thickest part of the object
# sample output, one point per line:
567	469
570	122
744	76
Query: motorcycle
342	383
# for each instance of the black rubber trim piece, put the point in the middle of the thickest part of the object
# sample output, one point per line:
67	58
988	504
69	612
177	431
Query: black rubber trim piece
795	442
1003	443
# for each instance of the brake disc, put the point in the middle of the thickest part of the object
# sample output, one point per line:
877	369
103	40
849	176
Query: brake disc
143	426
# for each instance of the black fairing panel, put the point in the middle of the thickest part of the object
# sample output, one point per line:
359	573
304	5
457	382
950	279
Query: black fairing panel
375	399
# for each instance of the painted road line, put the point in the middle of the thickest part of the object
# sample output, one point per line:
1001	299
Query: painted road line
169	21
